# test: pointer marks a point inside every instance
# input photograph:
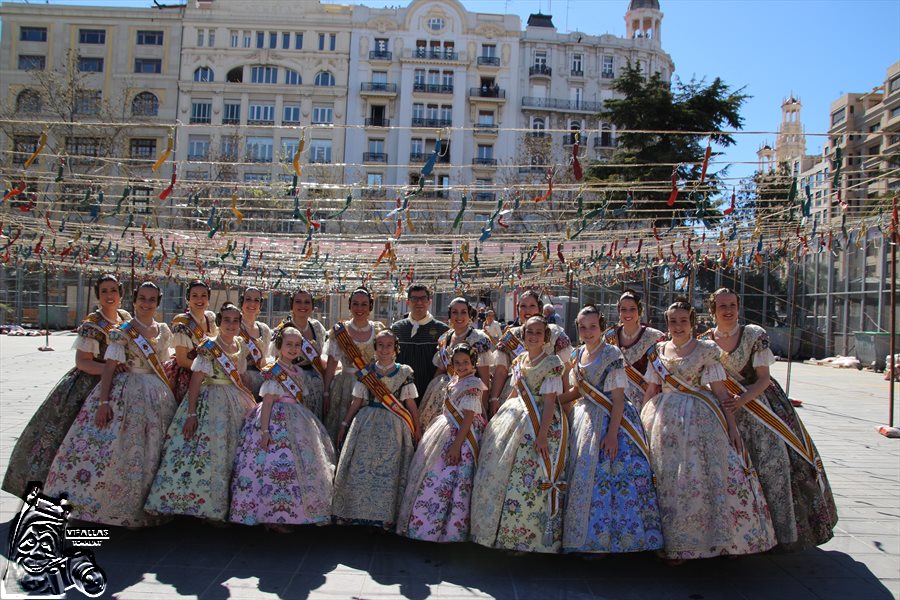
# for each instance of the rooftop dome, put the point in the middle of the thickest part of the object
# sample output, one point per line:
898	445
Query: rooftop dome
635	4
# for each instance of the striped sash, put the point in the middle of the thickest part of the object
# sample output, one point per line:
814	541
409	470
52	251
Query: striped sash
187	319
456	418
227	365
98	321
801	445
253	347
673	381
312	355
510	344
634	431
147	350
554	467
348	346
280	374
634	376
372	380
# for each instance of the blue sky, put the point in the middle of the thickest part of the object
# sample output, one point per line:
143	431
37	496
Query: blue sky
815	49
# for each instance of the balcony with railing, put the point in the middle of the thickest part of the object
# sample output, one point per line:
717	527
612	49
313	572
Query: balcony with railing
487	93
377	87
375	157
561	104
485	196
380	55
377	122
486	129
422	122
433	88
488	61
434	54
570	138
231	120
577	73
482	161
539	71
420	157
608	74
538	135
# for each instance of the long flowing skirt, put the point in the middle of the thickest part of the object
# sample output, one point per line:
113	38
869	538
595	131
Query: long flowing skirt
340	397
253	380
708	503
510	510
315	392
43	435
612	504
194	475
290	482
179	378
804	513
107	472
432	404
436	505
372	470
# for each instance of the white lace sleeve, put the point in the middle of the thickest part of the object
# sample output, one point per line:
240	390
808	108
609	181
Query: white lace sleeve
552	385
470	402
183	340
116	352
501	359
270	387
615	380
203	365
565	355
332	348
436	360
651	376
408	392
712	372
486	359
86	344
763	358
360	390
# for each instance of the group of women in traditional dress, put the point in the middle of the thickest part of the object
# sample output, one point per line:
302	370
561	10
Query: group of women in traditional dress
633	441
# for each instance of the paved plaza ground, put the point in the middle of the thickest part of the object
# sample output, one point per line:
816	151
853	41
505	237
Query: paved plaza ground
187	559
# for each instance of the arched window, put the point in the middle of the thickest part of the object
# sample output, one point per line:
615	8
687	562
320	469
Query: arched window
292	77
235	75
29	101
204	74
324	78
145	104
537	124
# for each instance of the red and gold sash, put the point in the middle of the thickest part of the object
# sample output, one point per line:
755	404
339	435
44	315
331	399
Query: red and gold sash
253	346
554	467
227	365
187	319
348	346
98	321
312	355
589	392
634	376
510	344
673	381
280	374
147	350
369	377
456	419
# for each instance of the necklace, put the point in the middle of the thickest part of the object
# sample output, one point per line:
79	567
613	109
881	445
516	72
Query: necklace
536	359
684	345
229	348
354	327
144	325
384	368
591	353
627	337
727	334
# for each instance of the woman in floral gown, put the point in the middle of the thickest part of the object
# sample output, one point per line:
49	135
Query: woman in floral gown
797	492
461	330
315	335
633	338
284	468
376	451
611	506
529	305
710	499
194	475
109	457
361	333
519	486
257	337
190	328
40	440
437	501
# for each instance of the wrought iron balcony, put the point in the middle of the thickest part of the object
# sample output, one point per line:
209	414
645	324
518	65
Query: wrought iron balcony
379	157
480	160
492	61
577	73
380	55
378	86
377	122
420	122
418	157
487	92
539	71
486	129
561	104
608	74
433	88
435	54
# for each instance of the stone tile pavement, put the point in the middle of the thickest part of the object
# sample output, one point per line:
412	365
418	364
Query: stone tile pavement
186	559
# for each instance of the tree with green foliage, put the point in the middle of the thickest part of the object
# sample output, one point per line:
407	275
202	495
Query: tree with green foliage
650	108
